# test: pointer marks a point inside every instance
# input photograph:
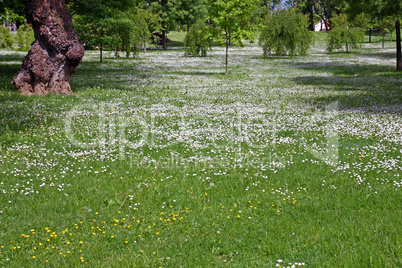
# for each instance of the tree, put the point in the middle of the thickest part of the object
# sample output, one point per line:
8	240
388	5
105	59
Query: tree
13	11
285	32
169	12
92	33
128	31
322	8
192	11
93	18
380	9
25	37
387	26
5	37
231	19
345	33
55	54
198	40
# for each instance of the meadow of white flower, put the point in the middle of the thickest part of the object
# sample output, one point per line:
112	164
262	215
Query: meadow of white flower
169	112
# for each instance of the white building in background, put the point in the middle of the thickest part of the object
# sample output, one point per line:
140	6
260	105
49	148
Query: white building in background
321	26
12	27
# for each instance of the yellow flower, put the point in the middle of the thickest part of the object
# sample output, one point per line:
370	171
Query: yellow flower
33	257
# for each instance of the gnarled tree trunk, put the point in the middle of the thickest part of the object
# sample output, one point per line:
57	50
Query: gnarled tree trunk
56	52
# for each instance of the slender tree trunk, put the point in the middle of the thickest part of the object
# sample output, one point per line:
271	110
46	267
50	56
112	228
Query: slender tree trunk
383	39
164	44
370	35
227	55
101	46
398	46
56	52
326	15
312	26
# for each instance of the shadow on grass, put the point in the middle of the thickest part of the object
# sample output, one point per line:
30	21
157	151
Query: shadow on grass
379	55
175	44
198	73
112	73
370	88
348	68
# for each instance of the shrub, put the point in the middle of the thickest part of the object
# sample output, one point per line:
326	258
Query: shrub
344	34
128	33
285	32
5	37
198	40
25	37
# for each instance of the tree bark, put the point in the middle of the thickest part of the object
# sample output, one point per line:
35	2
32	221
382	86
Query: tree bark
227	55
56	52
101	45
398	46
164	44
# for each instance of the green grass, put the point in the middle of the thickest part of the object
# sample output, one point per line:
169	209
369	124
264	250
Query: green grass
195	169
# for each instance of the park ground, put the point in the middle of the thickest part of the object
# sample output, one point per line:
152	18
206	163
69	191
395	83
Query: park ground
164	161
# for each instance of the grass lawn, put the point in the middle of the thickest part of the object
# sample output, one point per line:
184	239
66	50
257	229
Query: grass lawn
163	161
